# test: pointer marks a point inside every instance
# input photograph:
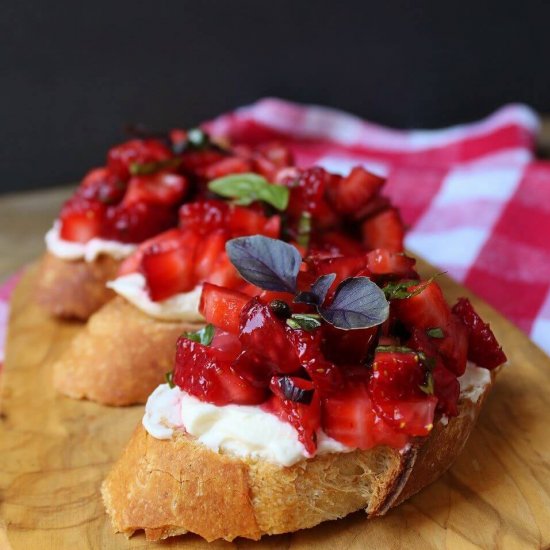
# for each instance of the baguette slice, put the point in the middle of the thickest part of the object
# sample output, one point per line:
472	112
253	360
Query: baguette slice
171	487
119	357
74	289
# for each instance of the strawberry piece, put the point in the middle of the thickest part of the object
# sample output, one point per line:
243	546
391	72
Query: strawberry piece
204	216
222	307
427	309
209	253
196	162
335	243
228	345
135	151
384	230
355	190
100	184
81	220
202	371
346	347
396	395
224	273
136	222
483	348
348	417
265	334
168	265
385	262
247	221
342	266
307	191
227	166
446	389
304	417
160	188
454	346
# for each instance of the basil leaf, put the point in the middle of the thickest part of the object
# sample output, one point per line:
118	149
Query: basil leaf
304	229
148	168
428	386
169	377
399	290
249	187
264	262
394	349
305	321
203	336
436	332
316	296
197	138
358	303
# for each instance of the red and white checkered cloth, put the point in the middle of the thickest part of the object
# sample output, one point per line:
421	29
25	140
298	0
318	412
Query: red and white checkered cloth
476	201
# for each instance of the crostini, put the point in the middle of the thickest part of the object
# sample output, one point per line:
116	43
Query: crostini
337	388
159	285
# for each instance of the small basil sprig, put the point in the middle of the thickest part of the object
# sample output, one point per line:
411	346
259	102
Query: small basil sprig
203	336
274	265
248	188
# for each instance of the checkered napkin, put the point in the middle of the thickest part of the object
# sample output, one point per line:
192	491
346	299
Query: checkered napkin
476	201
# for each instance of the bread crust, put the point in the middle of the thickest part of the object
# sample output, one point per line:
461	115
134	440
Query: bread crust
170	487
74	289
119	357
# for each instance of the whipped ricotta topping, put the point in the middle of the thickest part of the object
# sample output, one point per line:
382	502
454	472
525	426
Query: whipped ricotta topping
69	250
241	430
180	307
473	382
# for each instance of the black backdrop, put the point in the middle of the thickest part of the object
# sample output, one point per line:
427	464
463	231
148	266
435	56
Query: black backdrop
72	74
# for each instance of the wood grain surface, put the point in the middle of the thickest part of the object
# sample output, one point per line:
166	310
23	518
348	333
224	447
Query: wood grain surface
54	452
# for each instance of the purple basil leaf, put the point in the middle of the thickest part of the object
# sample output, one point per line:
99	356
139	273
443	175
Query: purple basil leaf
358	303
264	262
316	296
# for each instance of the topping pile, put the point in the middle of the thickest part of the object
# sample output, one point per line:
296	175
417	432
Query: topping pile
355	345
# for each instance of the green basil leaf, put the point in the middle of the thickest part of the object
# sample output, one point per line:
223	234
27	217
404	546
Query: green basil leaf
203	336
169	377
248	188
436	332
305	321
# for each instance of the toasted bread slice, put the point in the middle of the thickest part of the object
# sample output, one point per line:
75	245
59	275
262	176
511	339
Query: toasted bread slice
74	289
170	487
119	357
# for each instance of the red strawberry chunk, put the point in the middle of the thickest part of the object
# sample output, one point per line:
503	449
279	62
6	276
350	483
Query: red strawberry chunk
224	273
454	346
483	348
265	334
414	416
355	190
335	243
201	371
385	262
208	253
446	389
427	309
222	307
228	345
81	220
304	417
348	347
349	417
136	151
100	184
384	230
204	216
247	221
226	167
168	266
160	188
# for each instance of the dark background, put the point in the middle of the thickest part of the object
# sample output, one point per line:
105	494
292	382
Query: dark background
71	76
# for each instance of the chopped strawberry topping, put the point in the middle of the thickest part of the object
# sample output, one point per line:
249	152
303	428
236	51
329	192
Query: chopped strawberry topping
137	151
384	230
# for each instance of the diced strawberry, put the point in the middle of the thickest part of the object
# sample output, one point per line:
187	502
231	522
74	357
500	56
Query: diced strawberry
335	243
348	417
196	162
342	266
428	309
159	188
81	220
226	167
168	266
135	151
278	154
356	190
228	345
385	262
137	222
100	184
454	346
265	334
204	215
446	389
132	264
413	416
384	230
222	307
483	348
209	252
304	417
248	221
346	347
201	371
224	273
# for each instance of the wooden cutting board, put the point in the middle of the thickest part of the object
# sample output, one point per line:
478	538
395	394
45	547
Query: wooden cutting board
54	452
